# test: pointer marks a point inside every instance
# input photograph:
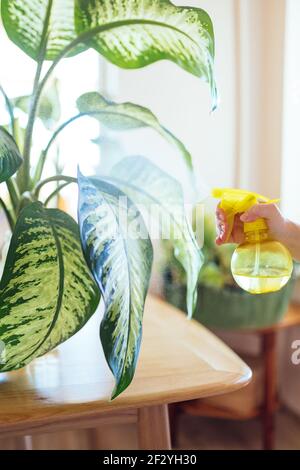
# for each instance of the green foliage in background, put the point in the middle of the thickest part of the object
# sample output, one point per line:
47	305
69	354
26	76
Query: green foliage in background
215	271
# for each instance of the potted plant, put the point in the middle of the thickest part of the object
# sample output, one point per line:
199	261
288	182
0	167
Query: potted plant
56	269
221	303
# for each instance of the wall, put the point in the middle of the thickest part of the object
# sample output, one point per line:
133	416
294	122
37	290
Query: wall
241	142
290	180
182	103
291	142
260	39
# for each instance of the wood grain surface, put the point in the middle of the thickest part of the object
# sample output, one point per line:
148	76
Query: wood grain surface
70	387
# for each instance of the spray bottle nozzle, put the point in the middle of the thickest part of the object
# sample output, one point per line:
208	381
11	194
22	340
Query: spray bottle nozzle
235	201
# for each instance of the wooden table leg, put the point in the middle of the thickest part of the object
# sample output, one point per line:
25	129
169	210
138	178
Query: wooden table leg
174	413
270	388
154	428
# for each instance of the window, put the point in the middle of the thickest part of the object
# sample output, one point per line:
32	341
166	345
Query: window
75	76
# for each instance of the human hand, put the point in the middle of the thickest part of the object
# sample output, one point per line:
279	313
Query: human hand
277	224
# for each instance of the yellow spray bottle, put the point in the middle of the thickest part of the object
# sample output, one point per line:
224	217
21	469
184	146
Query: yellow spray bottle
260	264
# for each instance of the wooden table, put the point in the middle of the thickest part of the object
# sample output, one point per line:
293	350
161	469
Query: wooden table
69	388
268	354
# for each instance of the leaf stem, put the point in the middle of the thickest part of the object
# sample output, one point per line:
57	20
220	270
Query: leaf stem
100	29
10	110
61	128
42	159
92	32
80	40
13	193
9	216
56	191
39	186
24	181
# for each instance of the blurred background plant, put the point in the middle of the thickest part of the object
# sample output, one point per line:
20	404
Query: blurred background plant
215	271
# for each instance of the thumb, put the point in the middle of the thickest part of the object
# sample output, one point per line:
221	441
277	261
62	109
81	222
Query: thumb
256	212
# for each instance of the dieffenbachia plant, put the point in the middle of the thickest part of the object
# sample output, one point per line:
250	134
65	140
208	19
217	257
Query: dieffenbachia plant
57	269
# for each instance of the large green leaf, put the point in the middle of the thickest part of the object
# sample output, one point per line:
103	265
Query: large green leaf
10	158
40	27
119	252
46	293
161	195
135	33
124	116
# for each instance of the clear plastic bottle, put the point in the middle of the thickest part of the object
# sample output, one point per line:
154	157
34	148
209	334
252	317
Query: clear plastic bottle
260	264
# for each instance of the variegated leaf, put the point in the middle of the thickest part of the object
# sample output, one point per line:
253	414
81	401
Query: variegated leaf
46	292
135	33
124	116
10	157
40	27
119	252
148	185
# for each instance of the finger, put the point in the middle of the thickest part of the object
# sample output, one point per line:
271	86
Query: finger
238	235
220	214
219	241
258	211
222	233
220	219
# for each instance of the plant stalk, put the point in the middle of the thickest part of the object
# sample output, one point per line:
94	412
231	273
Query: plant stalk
68	179
24	180
97	30
10	110
9	216
84	37
43	157
78	40
13	193
56	191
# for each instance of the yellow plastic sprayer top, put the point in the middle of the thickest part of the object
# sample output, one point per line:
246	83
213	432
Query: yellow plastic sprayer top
235	201
259	264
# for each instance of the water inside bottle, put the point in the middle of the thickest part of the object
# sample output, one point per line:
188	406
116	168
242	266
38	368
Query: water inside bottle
271	281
